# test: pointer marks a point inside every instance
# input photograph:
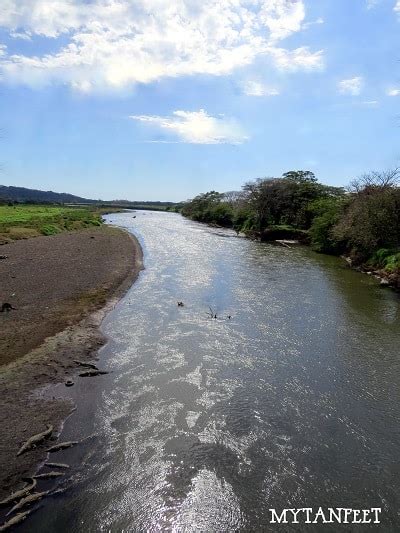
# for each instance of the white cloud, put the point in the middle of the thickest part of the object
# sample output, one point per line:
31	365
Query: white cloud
281	17
298	59
372	3
25	36
196	127
256	88
117	43
316	22
352	86
393	92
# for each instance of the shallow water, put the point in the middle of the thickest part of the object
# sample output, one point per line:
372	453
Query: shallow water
204	425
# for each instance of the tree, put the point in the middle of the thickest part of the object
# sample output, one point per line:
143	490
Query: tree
385	179
197	207
261	196
300	176
286	200
372	218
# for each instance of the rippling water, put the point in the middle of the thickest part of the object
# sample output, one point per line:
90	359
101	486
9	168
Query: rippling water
204	425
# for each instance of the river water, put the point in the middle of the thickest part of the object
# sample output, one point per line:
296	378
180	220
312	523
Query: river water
206	424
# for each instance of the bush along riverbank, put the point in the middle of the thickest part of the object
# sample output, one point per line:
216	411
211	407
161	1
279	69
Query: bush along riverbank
360	223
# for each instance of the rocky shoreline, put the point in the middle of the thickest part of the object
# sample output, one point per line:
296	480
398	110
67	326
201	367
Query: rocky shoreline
386	279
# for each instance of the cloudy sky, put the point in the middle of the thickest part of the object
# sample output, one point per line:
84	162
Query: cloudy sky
163	99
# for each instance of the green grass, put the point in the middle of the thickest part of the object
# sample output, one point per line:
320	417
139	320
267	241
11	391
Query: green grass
386	259
24	221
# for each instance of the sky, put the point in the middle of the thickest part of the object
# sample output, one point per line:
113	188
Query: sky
165	99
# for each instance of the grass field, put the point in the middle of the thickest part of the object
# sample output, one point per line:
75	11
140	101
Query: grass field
24	221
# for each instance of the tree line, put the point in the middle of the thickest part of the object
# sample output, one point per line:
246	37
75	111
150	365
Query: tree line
361	221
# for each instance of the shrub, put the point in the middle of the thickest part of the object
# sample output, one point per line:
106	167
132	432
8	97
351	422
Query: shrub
244	220
379	257
50	229
393	262
386	259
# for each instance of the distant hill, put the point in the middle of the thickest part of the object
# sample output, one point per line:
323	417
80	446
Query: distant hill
21	194
24	195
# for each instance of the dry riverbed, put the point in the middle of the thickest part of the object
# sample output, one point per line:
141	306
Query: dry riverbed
61	287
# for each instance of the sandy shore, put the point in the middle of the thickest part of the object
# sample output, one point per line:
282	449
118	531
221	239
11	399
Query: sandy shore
61	287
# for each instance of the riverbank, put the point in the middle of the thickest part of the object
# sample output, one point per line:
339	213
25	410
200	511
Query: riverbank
61	287
289	236
386	278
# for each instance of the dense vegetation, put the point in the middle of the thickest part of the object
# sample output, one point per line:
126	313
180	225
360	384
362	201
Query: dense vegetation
362	222
23	221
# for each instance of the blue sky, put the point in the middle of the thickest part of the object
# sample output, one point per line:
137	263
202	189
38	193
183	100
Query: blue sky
161	100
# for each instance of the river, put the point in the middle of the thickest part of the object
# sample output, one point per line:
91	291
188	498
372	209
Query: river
206	424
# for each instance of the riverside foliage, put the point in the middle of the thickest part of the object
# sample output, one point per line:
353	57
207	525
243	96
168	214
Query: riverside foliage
362	222
21	221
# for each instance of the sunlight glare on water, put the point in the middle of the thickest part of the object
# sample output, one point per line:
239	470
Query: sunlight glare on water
203	425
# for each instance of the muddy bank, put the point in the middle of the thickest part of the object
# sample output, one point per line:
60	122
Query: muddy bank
61	287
